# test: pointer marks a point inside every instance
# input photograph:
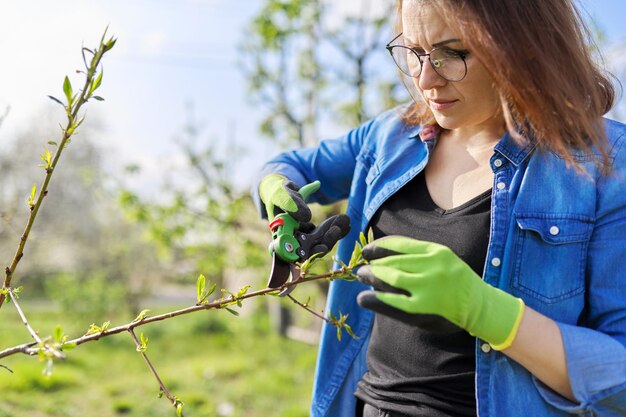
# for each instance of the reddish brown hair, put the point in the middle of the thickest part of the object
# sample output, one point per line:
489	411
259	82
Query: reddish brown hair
539	54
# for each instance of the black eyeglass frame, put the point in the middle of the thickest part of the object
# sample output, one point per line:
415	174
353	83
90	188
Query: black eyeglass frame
389	47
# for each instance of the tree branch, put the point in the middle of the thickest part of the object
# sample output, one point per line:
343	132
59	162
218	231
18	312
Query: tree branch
141	348
307	308
31	349
33	333
72	109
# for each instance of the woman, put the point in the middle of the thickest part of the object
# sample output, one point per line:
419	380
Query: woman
498	203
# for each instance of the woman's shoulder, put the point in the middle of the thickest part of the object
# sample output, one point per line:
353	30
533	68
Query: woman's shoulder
390	125
615	136
615	133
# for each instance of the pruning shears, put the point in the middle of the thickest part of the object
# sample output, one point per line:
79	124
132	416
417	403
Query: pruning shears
294	242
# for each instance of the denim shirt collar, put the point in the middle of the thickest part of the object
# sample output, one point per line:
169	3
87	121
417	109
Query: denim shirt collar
515	149
428	134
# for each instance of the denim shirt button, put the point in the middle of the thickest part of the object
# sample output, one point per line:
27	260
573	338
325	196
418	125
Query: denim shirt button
498	163
554	230
485	347
496	262
501	186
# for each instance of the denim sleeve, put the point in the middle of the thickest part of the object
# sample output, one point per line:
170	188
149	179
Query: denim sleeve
332	162
596	353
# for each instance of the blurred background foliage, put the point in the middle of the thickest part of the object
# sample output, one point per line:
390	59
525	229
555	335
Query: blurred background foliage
101	250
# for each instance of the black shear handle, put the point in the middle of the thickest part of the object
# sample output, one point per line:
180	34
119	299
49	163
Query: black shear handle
322	238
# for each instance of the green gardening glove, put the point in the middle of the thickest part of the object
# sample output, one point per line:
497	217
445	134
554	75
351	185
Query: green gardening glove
416	278
277	191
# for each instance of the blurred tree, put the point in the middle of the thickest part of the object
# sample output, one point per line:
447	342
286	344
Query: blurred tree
612	56
309	63
80	235
200	220
305	69
204	224
4	115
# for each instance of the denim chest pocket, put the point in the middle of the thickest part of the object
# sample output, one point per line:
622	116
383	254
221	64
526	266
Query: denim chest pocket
551	254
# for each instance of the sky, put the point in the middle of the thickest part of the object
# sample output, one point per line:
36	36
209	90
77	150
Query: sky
172	58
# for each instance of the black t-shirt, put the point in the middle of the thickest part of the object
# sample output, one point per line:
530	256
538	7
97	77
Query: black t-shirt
416	371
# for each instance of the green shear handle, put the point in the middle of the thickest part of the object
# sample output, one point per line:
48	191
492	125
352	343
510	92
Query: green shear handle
284	228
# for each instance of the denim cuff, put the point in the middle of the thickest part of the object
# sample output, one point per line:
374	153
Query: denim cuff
556	400
596	364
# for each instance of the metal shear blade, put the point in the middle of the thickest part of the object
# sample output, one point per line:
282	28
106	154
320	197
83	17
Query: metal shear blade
282	272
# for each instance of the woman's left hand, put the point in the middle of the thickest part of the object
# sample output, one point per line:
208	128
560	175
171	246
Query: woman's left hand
415	277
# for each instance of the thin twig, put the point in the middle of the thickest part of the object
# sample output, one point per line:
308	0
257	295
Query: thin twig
28	349
72	110
33	333
6	367
24	348
307	308
164	390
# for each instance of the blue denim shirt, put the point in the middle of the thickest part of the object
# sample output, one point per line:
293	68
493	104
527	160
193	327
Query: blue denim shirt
557	240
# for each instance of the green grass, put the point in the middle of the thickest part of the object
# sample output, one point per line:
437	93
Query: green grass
217	364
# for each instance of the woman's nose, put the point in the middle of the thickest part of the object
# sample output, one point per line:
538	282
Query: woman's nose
429	78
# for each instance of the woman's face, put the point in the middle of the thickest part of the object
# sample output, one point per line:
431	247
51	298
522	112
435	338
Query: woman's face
472	103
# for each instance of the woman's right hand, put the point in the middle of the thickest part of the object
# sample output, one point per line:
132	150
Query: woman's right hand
277	191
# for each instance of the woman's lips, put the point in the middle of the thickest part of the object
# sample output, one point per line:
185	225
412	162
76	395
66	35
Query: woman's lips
441	104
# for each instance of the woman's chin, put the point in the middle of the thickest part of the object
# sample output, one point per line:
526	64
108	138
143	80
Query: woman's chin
446	122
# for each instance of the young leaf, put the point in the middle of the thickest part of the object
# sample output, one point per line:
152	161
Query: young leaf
33	194
79	122
210	291
58	334
67	89
226	292
350	332
141	316
68	346
306	265
231	311
179	409
243	291
46	157
93	329
355	258
110	44
200	286
96	83
98	98
362	239
143	346
56	100
105	326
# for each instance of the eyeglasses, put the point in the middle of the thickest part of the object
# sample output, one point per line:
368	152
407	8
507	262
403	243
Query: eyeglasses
448	63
